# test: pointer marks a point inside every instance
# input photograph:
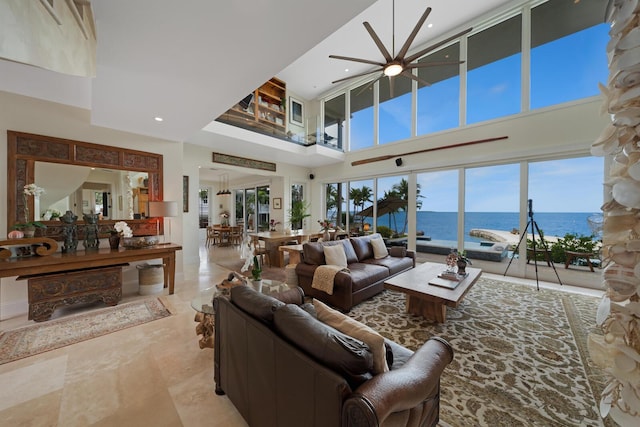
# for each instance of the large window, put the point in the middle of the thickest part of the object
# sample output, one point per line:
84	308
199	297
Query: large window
437	214
391	206
360	198
336	204
395	109
493	77
439	103
361	124
568	51
564	193
334	118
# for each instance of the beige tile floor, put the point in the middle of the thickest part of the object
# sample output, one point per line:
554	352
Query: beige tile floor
149	375
154	374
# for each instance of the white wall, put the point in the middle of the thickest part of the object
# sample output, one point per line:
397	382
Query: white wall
25	114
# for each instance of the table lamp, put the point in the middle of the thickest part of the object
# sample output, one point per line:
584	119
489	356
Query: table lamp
163	209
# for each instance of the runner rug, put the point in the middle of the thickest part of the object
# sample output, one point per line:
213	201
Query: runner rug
50	335
520	358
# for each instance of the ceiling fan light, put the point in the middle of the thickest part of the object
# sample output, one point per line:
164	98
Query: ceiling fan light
392	70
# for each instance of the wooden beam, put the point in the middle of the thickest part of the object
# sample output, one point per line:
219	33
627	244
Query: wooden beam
426	150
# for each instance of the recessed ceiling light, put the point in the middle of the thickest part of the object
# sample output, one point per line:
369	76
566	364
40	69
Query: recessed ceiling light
429	25
346	70
158	119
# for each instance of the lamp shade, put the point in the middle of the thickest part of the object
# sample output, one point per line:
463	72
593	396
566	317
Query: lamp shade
163	209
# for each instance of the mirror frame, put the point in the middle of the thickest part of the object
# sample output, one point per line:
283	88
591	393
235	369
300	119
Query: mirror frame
24	149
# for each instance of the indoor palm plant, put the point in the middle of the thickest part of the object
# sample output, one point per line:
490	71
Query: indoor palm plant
298	212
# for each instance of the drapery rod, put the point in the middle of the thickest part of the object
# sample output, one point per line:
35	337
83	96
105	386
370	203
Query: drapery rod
391	156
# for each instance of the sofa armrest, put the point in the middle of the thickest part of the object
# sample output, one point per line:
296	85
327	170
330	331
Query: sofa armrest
400	252
400	389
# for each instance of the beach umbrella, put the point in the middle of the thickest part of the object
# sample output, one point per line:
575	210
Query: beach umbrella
385	206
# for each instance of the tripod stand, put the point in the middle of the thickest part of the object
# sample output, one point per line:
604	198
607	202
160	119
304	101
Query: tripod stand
534	228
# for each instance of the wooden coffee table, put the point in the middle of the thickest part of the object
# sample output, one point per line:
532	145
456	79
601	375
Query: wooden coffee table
427	300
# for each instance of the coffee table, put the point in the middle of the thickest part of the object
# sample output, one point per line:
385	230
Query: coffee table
427	300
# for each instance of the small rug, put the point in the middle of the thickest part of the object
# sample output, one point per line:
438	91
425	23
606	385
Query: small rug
520	355
50	335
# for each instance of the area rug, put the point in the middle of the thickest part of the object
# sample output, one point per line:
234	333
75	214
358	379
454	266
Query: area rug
50	335
520	355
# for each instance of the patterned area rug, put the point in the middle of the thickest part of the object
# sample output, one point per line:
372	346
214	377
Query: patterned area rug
520	354
53	334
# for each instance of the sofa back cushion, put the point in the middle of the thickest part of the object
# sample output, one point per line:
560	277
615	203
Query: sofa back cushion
313	253
379	248
362	246
334	255
257	304
349	357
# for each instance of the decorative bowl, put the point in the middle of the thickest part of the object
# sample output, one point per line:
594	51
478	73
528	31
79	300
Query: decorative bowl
139	242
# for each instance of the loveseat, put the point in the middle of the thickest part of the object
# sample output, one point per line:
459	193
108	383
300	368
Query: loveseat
366	273
281	366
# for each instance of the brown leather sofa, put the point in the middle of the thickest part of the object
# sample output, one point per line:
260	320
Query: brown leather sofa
281	367
366	274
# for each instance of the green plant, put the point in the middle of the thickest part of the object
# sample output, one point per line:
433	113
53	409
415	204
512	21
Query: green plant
298	212
256	272
384	231
23	225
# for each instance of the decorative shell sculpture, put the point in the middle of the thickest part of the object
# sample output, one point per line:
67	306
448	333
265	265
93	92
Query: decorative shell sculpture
618	349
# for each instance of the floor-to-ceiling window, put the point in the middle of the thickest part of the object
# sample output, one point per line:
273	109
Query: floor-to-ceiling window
437	211
360	198
203	207
262	211
392	193
336	204
334	120
439	103
568	51
250	209
240	207
298	207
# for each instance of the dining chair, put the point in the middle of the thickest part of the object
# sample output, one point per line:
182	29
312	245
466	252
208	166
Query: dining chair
236	235
260	250
212	236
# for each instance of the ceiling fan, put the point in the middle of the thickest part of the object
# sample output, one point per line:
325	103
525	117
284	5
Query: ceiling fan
400	64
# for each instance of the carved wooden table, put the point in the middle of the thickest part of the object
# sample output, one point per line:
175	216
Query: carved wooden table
80	270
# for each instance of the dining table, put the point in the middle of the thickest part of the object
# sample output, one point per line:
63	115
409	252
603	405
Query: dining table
274	239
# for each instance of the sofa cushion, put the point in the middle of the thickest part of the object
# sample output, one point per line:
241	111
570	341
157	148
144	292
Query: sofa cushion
334	255
349	357
362	247
313	253
258	305
393	264
355	329
363	275
379	248
349	252
397	251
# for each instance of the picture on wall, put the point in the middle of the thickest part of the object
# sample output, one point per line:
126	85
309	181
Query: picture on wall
296	112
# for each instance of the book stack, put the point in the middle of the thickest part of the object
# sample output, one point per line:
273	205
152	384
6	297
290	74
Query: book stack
448	279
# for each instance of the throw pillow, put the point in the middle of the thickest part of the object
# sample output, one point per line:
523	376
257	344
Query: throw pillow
357	330
379	248
334	255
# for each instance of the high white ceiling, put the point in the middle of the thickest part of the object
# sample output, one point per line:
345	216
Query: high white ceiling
189	61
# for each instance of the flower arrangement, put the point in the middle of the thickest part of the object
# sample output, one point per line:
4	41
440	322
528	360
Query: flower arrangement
28	191
123	229
325	224
224	218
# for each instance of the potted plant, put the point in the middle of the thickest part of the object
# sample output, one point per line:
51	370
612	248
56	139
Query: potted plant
256	273
298	212
462	262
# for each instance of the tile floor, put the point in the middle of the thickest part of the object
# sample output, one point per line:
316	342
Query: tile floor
149	375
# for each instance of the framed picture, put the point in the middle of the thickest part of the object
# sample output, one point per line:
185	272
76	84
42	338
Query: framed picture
296	112
277	203
185	193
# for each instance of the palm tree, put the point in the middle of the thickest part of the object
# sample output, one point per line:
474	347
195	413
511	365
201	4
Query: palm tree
402	191
359	197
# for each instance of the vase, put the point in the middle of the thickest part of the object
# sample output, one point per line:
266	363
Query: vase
326	236
257	285
29	231
114	241
462	267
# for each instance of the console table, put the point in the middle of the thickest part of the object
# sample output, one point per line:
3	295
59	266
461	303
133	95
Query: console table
88	261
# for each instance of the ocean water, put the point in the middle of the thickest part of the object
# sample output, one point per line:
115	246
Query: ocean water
443	225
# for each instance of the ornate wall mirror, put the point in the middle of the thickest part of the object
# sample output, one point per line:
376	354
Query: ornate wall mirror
82	177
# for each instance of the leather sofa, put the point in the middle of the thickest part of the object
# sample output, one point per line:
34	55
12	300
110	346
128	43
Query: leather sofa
366	275
282	367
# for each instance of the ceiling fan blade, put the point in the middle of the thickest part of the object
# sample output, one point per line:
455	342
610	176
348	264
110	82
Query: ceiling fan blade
364	61
369	85
414	33
378	42
435	46
409	74
432	64
356	75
